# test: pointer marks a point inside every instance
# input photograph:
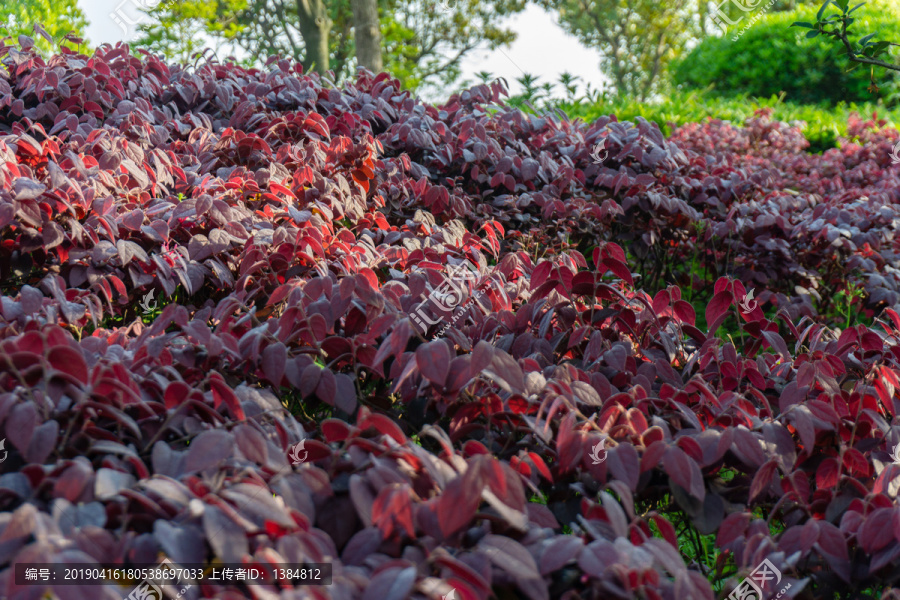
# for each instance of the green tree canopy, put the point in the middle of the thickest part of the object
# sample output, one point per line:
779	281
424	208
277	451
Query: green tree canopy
56	17
835	19
638	39
768	59
424	41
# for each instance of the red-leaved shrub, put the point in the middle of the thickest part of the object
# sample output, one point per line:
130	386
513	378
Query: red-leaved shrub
290	229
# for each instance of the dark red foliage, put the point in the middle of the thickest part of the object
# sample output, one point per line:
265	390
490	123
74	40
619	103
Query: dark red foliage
292	228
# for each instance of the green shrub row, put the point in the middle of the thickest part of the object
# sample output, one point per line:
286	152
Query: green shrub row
821	124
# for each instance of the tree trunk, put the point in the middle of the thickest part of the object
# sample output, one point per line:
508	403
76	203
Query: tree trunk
368	34
315	27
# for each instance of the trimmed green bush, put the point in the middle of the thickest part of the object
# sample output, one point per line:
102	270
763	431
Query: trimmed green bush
822	125
771	57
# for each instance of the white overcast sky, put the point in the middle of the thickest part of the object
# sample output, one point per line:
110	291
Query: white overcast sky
542	47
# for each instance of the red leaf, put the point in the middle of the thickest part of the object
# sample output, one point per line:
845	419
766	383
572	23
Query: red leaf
833	546
619	268
209	449
661	301
309	379
433	360
456	507
747	447
462	572
222	393
177	392
505	371
718	306
335	430
512	557
482	354
73	480
733	527
827	473
540	465
559	552
69	361
541	516
252	444
345	393
383	425
43	442
666	529
52	235
685	312
392	511
801	418
274	359
684	472
763	479
855	463
327	388
777	342
886	385
652	455
596	557
877	530
318	124
823	411
610	250
624	464
539	274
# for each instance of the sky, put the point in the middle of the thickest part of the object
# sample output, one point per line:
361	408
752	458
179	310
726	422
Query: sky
542	47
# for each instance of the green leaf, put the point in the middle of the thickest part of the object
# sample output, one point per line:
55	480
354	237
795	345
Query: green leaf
803	24
812	34
843	4
822	10
863	41
855	7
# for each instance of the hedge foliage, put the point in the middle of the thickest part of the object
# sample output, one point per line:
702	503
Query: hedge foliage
609	416
823	126
771	57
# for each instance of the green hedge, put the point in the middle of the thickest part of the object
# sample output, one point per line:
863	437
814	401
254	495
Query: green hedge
821	125
772	57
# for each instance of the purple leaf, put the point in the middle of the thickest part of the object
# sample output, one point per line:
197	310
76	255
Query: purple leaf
209	449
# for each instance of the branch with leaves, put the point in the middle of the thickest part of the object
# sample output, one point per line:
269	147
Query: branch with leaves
866	51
